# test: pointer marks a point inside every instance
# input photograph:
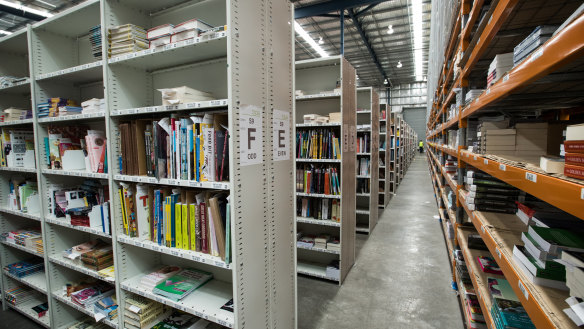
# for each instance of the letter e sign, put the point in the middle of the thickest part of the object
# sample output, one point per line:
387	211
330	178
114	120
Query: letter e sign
281	127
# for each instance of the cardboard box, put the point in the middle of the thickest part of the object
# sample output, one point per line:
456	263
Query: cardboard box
335	117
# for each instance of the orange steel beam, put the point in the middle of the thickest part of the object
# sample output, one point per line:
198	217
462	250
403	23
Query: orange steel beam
564	48
453	38
474	15
500	15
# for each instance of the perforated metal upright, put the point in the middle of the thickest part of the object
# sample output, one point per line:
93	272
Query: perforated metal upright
248	67
384	146
328	85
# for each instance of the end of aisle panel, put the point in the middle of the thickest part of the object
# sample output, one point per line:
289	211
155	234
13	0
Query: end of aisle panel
505	157
119	170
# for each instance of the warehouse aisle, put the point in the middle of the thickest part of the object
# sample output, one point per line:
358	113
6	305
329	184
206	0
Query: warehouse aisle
401	278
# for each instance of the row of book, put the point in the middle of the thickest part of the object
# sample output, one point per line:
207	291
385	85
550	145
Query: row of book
174	282
76	148
189	148
318	179
327	209
15	114
95	40
363	144
17	148
58	106
8	80
322	143
28	238
95	254
84	205
321	241
178	218
364	167
25	268
23	195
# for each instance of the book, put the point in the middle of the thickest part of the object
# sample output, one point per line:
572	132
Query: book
553	270
182	284
554	240
488	265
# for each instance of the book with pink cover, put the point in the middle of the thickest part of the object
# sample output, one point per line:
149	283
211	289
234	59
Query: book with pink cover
96	140
488	265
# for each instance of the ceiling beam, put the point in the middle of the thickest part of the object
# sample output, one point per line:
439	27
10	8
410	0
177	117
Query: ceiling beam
330	6
367	43
20	13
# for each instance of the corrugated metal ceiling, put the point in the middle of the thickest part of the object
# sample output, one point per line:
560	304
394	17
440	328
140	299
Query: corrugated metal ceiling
12	23
389	48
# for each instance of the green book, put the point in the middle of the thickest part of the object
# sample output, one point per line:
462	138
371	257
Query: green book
501	288
183	283
554	273
552	239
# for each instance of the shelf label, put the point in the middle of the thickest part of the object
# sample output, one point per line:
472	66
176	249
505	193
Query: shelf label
498	253
502	167
250	135
523	290
506	78
536	55
475	158
486	162
281	126
531	177
582	194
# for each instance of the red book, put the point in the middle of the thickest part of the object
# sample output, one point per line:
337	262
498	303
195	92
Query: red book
576	159
488	265
574	171
574	146
204	241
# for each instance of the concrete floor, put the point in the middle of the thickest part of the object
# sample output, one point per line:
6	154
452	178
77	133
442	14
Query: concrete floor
401	278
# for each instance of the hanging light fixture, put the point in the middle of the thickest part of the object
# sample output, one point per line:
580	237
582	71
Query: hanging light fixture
399	64
320	41
390	29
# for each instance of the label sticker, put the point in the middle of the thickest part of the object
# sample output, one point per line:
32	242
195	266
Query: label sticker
523	290
281	126
474	157
345	138
502	167
486	162
582	194
353	141
506	78
498	253
531	177
250	135
536	55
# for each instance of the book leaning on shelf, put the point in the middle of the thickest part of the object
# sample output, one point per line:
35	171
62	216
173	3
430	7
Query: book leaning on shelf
192	148
178	218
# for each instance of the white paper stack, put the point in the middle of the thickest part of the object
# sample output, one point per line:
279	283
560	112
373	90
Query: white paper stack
499	66
188	30
182	95
160	35
472	94
93	105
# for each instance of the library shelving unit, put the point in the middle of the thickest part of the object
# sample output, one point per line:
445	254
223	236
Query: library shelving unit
327	85
56	57
527	87
392	150
367	185
384	164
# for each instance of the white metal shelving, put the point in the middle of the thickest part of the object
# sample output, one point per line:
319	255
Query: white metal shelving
317	79
384	139
55	57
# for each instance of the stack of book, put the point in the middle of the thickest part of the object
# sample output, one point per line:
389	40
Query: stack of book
90	295
108	273
486	193
7	81
363	185
450	165
39	246
574	148
178	218
23	195
489	265
305	240
107	306
476	318
69	110
315	119
465	284
95	39
77	251
151	280
94	105
318	179
325	208
17	148
183	95
14	114
25	268
317	144
41	309
506	311
321	240
124	39
25	238
499	66
471	95
54	106
543	245
189	148
76	148
140	312
182	284
99	258
168	33
334	244
538	37
574	262
333	269
19	294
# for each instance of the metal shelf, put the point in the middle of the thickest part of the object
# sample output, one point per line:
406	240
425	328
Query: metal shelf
319	160
26	310
75	173
315	195
16	122
196	256
173	182
205	302
21	214
18	87
319	250
315	270
37	280
203	105
325	222
30	251
79	74
17	169
76	266
317	125
318	96
62	222
58	295
74	117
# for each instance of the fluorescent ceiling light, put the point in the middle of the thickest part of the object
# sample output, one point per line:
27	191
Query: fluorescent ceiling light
25	8
390	29
46	3
309	40
320	41
416	19
5	32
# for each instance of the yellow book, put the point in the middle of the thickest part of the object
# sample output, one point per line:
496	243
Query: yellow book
177	220
192	219
123	206
185	226
167	221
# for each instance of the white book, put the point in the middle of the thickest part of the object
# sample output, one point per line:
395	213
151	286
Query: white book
190	25
158	31
142	211
575	132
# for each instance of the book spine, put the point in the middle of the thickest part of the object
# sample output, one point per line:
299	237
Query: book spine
574	171
575	159
192	227
574	146
177	218
204	229
185	226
